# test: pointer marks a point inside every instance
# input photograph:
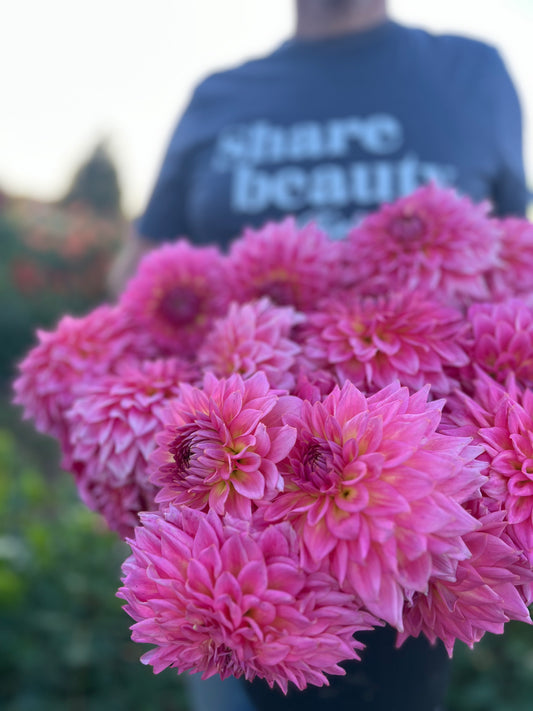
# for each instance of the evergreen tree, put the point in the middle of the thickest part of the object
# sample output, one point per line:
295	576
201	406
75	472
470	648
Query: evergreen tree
96	183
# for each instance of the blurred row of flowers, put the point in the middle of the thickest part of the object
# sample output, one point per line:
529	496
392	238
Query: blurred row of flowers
54	257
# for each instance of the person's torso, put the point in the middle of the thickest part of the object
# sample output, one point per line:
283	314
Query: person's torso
330	130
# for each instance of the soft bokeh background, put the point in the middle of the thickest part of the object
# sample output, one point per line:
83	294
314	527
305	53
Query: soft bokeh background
90	93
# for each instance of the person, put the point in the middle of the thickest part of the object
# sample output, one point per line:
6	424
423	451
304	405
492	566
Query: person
353	111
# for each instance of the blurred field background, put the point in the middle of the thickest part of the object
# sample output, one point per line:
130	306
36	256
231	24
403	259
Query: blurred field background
64	640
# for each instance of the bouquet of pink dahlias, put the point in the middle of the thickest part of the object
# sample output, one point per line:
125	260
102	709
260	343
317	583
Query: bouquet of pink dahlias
304	439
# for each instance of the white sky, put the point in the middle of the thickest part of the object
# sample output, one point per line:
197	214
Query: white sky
123	69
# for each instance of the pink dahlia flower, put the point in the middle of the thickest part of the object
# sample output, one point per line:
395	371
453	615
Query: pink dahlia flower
500	419
483	596
221	445
513	274
222	600
254	336
467	416
500	340
377	340
369	487
79	350
313	384
112	427
177	292
464	415
509	446
292	265
432	239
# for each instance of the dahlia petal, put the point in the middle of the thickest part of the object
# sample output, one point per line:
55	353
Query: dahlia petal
316	511
200	579
366	579
206	538
386	499
520	509
281	443
217	497
253	577
341	524
416	573
317	540
249	484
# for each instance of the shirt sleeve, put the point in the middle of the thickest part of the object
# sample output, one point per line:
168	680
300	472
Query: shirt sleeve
510	194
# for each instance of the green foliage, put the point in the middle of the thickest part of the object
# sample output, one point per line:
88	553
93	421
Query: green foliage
64	640
497	675
15	333
52	261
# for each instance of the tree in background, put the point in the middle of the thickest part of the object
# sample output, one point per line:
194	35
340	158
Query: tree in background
96	183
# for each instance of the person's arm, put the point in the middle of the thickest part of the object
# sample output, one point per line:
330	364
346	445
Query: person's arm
163	220
125	264
510	193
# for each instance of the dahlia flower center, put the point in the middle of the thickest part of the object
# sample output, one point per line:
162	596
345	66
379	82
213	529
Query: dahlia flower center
181	450
180	306
362	331
317	466
408	228
279	290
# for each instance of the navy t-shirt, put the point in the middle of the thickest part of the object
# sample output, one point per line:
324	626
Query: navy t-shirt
330	129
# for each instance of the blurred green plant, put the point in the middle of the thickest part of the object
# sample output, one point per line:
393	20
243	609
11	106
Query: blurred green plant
53	260
64	640
497	675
